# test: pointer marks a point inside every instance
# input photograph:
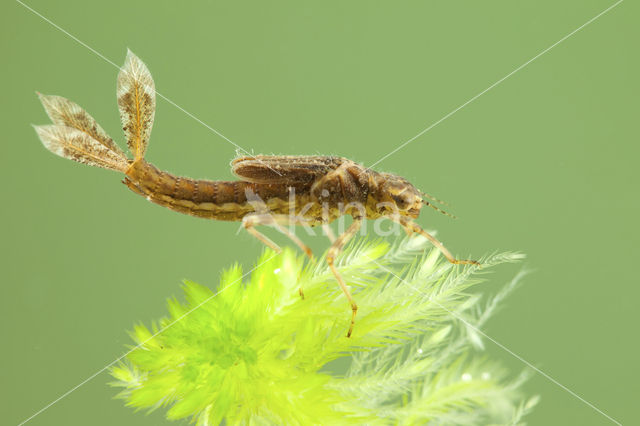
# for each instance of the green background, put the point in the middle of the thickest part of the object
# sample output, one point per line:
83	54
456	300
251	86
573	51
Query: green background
545	163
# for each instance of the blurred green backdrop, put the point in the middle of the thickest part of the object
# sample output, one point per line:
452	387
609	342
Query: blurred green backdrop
544	163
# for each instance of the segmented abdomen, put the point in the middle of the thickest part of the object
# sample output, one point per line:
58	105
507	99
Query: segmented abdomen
219	200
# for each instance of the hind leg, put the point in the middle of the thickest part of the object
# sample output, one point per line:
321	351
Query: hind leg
249	223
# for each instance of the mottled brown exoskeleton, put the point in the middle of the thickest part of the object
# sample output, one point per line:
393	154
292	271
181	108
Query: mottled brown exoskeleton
272	190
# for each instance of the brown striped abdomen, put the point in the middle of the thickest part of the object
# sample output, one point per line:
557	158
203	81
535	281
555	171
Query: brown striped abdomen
218	200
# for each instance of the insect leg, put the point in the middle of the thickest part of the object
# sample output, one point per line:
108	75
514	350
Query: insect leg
275	220
411	226
335	249
328	232
248	222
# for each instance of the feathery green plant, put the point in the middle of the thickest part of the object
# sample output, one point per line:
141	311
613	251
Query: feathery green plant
258	353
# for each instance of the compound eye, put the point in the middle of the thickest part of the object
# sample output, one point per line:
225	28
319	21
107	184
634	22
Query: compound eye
401	201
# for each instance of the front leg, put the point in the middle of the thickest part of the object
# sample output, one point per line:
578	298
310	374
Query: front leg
410	226
335	249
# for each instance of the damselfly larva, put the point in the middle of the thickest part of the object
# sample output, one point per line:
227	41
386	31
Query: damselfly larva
272	190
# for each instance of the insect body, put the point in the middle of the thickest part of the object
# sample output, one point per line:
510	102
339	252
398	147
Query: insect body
272	190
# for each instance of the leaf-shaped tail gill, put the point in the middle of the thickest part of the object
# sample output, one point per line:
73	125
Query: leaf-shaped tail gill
137	103
63	112
77	145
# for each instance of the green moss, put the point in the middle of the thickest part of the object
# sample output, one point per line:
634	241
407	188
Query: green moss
254	351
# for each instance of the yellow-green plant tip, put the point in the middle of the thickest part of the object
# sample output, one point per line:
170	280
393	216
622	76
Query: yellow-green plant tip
253	351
